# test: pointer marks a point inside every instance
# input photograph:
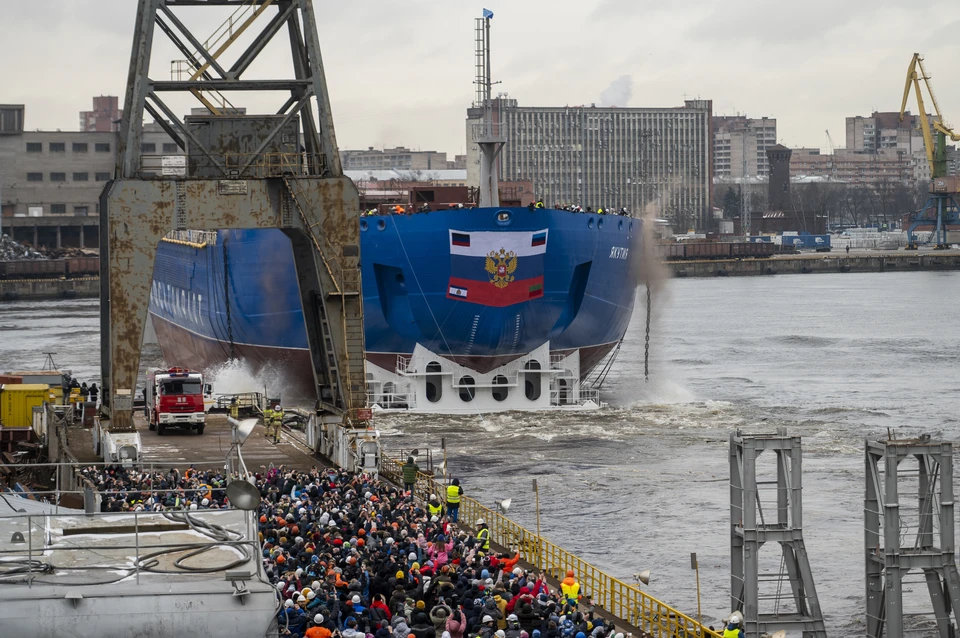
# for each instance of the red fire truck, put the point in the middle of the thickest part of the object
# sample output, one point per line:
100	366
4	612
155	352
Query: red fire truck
174	399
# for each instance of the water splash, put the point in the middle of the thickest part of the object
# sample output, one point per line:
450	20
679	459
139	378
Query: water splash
238	376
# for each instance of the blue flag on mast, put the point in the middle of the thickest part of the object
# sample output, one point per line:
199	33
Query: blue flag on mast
488	14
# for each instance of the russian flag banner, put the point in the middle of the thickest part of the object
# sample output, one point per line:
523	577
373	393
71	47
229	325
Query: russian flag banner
480	244
497	268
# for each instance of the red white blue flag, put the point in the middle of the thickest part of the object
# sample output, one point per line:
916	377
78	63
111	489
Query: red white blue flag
496	268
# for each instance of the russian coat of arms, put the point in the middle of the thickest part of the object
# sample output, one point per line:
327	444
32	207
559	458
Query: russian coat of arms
501	266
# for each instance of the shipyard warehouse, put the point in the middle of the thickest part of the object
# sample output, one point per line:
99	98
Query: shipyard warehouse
602	358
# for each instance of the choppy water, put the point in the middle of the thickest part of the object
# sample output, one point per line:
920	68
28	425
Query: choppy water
835	358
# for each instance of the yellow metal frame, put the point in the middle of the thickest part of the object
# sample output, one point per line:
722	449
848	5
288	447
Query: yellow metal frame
913	80
623	600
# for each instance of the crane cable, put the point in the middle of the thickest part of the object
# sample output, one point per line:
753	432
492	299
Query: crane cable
646	351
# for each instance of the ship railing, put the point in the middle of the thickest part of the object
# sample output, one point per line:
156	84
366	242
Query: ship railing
405	364
598	588
392	400
195	237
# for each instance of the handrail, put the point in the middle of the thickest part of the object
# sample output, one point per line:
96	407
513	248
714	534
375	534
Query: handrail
623	600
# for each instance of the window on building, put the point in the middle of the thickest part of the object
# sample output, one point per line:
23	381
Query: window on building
148	147
103	177
80	147
58	177
80	211
81	177
58	147
170	148
34	147
34	177
58	209
102	148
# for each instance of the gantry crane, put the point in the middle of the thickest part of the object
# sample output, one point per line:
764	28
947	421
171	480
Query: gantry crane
942	189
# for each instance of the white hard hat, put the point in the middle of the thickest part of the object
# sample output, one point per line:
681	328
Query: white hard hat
315	585
318	618
276	407
301	599
480	521
433	497
486	619
205	502
517	571
355	600
736	618
311	595
288	603
434	519
193	506
512	618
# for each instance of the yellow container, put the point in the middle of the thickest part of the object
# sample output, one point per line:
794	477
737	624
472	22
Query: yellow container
17	402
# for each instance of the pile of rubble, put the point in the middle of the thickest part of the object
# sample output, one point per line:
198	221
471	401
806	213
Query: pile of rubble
11	250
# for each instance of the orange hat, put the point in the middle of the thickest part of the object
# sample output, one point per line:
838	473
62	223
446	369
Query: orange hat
263	518
362	532
281	560
570	573
360	543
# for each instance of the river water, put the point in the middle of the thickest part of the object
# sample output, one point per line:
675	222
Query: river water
835	358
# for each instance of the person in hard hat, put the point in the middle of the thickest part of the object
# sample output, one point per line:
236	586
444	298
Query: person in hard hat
234	408
454	494
267	420
434	507
317	628
570	589
275	422
734	628
483	536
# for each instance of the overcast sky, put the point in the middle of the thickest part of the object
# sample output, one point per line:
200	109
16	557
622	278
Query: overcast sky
400	73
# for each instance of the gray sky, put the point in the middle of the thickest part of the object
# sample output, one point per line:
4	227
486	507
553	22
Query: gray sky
401	72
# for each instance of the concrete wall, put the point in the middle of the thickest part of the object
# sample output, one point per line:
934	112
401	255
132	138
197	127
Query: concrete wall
822	263
49	289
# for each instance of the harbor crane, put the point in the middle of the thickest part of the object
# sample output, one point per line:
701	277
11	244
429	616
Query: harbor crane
942	188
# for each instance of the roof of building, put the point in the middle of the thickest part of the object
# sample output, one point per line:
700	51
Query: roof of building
406	175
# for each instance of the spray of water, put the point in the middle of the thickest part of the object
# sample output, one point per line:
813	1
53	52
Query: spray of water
238	376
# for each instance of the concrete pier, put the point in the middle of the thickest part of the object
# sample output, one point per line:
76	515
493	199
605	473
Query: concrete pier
855	261
21	289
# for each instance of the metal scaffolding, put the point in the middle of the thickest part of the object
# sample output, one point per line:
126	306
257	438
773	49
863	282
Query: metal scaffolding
901	534
280	170
749	530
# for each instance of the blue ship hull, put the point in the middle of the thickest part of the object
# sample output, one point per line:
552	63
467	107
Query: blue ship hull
549	276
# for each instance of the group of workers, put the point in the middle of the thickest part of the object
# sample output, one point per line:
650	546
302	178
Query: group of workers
400	209
576	208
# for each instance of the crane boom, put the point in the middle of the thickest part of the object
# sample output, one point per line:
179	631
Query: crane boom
913	80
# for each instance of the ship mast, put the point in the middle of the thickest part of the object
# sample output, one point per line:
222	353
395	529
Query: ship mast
487	135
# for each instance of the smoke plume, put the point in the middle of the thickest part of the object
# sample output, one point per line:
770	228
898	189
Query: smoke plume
618	93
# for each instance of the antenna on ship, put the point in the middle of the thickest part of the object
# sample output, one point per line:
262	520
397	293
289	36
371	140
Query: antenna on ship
487	134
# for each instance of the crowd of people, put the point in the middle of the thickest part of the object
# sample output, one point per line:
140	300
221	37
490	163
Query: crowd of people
409	209
357	557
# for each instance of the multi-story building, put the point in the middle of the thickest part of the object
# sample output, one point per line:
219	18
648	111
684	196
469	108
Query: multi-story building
399	158
606	156
884	131
740	145
105	116
59	174
855	167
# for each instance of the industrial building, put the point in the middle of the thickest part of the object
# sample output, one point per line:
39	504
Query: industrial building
859	167
49	180
740	145
399	158
607	156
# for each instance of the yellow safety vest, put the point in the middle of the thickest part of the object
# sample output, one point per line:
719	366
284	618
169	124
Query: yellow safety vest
434	511
731	633
484	537
453	494
539	205
267	415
